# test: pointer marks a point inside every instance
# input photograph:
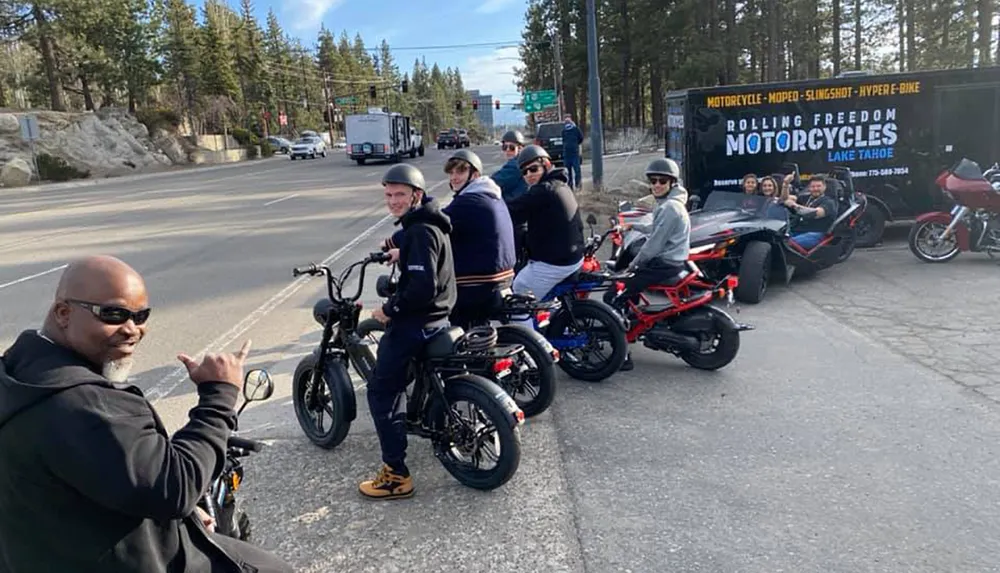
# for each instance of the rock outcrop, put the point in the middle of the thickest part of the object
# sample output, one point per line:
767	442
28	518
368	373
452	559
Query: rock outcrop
105	143
15	173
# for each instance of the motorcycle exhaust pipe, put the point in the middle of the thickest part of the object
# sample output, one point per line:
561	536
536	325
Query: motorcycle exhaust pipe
664	339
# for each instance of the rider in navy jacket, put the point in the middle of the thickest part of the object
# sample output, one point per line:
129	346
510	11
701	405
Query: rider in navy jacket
509	177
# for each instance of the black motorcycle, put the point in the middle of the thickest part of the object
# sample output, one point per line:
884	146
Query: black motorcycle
441	379
531	379
220	500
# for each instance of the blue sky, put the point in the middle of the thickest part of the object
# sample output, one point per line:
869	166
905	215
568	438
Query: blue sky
416	23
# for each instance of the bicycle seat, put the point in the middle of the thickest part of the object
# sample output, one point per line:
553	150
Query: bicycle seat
444	342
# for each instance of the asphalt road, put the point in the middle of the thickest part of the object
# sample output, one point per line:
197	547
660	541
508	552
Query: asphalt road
857	430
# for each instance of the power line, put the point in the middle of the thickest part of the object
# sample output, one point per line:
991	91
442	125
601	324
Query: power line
507	44
511	44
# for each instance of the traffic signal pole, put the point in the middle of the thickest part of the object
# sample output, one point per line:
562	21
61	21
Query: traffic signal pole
596	129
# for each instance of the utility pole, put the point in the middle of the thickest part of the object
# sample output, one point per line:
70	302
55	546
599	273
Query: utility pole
596	129
329	105
558	73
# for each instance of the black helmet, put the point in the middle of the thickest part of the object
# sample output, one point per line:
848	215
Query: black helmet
406	175
531	153
513	136
468	157
663	166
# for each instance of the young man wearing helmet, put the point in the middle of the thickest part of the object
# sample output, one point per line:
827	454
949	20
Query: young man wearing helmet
419	308
512	185
555	229
666	251
509	178
482	238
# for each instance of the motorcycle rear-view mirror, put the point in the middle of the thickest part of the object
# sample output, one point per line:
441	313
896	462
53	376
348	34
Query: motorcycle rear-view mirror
385	286
591	219
257	385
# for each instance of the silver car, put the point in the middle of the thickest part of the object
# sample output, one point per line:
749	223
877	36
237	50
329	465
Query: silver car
308	147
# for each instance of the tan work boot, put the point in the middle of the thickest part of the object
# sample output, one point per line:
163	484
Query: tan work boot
387	485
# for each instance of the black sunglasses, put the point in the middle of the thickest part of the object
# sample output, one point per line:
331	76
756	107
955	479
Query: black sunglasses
113	315
661	180
532	169
509	147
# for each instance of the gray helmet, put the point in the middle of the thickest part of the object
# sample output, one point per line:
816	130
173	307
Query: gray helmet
663	166
513	136
406	175
468	157
531	153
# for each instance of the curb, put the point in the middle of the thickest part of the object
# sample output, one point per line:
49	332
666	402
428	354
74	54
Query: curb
140	176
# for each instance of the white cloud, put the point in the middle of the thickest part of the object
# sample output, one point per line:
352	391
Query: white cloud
494	6
309	13
493	74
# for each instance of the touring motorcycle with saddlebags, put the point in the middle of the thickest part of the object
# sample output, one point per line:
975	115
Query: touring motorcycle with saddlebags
974	221
441	379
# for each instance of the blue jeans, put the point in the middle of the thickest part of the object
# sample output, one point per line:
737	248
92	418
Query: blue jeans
572	164
808	240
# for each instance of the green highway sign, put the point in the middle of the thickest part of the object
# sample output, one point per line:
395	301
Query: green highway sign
345	100
537	101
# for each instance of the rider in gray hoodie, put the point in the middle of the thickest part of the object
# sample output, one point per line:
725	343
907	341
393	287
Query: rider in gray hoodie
665	253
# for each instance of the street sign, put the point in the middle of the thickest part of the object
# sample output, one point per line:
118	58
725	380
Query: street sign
343	100
29	127
537	101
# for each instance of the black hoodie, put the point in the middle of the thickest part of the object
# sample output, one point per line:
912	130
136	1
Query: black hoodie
426	291
89	478
555	230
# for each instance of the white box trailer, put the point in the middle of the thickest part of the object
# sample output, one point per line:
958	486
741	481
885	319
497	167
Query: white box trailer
378	135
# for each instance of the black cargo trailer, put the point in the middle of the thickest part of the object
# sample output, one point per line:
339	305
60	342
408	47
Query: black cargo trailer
895	131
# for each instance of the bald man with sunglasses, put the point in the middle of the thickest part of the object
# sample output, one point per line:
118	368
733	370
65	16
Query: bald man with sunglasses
89	479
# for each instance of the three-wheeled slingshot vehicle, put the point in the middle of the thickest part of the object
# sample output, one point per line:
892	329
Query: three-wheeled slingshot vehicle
751	236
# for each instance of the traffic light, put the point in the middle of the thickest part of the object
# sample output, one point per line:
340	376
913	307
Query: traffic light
406	86
458	105
475	105
497	104
371	91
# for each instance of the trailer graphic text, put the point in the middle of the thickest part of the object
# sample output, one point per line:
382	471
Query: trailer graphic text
858	135
751	99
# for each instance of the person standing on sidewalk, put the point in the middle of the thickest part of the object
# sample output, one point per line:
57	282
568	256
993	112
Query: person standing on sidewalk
572	139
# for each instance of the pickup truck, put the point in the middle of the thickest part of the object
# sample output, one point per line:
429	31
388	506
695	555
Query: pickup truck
453	137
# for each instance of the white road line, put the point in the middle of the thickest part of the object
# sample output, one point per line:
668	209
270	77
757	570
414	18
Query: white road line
34	276
282	199
170	382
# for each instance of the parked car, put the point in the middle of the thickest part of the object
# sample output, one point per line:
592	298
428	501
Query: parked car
308	147
549	137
